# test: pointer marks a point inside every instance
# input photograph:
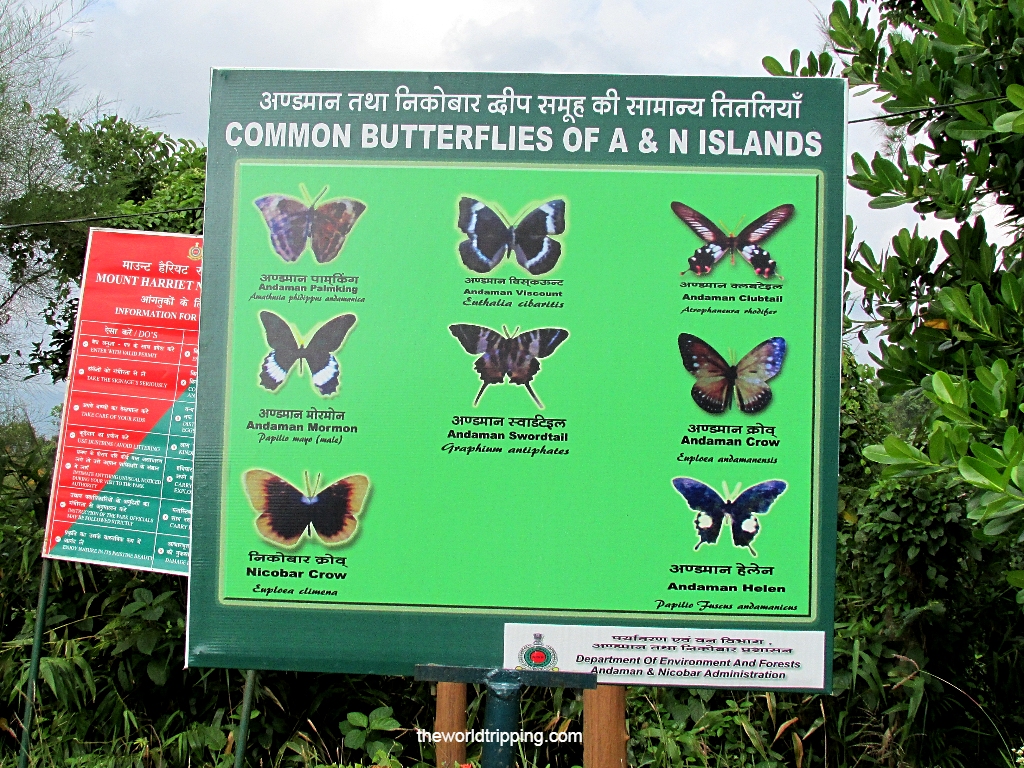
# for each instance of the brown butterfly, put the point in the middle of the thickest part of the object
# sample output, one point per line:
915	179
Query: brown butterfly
292	223
515	355
719	244
717	380
286	513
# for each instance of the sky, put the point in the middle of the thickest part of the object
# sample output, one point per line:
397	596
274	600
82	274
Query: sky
151	60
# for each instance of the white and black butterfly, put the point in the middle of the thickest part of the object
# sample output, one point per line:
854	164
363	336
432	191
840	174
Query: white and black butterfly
491	239
515	356
712	509
746	242
285	351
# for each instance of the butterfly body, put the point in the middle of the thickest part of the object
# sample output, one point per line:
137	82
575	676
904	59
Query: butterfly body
286	514
515	356
285	351
712	509
292	223
491	239
717	381
718	244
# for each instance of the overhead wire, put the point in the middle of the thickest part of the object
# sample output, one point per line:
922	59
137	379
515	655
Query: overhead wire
953	105
98	218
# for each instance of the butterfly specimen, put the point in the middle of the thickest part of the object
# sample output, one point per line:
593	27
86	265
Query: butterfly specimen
515	356
717	380
292	223
491	239
712	509
285	350
286	513
746	242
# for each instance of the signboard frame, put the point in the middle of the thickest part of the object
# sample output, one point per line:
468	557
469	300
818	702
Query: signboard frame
115	531
389	639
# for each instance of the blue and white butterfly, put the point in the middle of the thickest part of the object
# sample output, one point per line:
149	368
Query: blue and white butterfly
491	239
712	509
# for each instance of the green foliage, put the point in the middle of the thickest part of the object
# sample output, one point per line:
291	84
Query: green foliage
369	733
110	167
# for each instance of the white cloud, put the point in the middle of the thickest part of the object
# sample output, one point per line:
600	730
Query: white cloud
155	58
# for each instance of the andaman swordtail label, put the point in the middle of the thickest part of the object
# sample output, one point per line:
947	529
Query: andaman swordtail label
494	349
122	487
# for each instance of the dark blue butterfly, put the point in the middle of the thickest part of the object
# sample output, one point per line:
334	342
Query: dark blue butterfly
712	509
491	239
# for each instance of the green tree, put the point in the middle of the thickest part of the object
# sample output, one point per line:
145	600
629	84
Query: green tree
949	77
110	167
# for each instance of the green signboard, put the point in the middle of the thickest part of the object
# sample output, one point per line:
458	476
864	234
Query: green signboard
489	353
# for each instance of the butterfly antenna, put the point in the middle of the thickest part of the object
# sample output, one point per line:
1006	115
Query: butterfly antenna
316	485
504	329
725	489
305	193
534	396
305	481
736	493
317	198
480	394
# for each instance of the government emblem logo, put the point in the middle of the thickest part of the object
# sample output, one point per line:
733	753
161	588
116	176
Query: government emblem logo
538	656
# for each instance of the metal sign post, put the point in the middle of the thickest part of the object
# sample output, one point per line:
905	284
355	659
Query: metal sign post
503	689
33	668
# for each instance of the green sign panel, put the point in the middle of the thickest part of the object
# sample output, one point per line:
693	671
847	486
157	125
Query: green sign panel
494	351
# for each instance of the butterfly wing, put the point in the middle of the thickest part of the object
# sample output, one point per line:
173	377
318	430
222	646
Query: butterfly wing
523	352
754	370
718	243
708	505
335	509
284	351
289	221
284	511
535	251
323	365
715	377
756	500
759	230
489	237
478	340
332	222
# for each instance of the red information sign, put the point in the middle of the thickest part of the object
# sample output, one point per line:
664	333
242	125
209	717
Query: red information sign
122	490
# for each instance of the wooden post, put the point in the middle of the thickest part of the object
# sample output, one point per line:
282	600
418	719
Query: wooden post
604	727
451	718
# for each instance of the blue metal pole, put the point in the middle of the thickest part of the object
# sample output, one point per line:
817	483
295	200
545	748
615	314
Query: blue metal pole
33	667
501	717
243	722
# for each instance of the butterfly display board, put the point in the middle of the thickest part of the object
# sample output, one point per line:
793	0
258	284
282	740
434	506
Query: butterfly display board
516	369
122	486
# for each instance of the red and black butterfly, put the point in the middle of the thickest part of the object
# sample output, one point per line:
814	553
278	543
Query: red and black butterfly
292	223
717	380
746	242
712	509
286	513
517	357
